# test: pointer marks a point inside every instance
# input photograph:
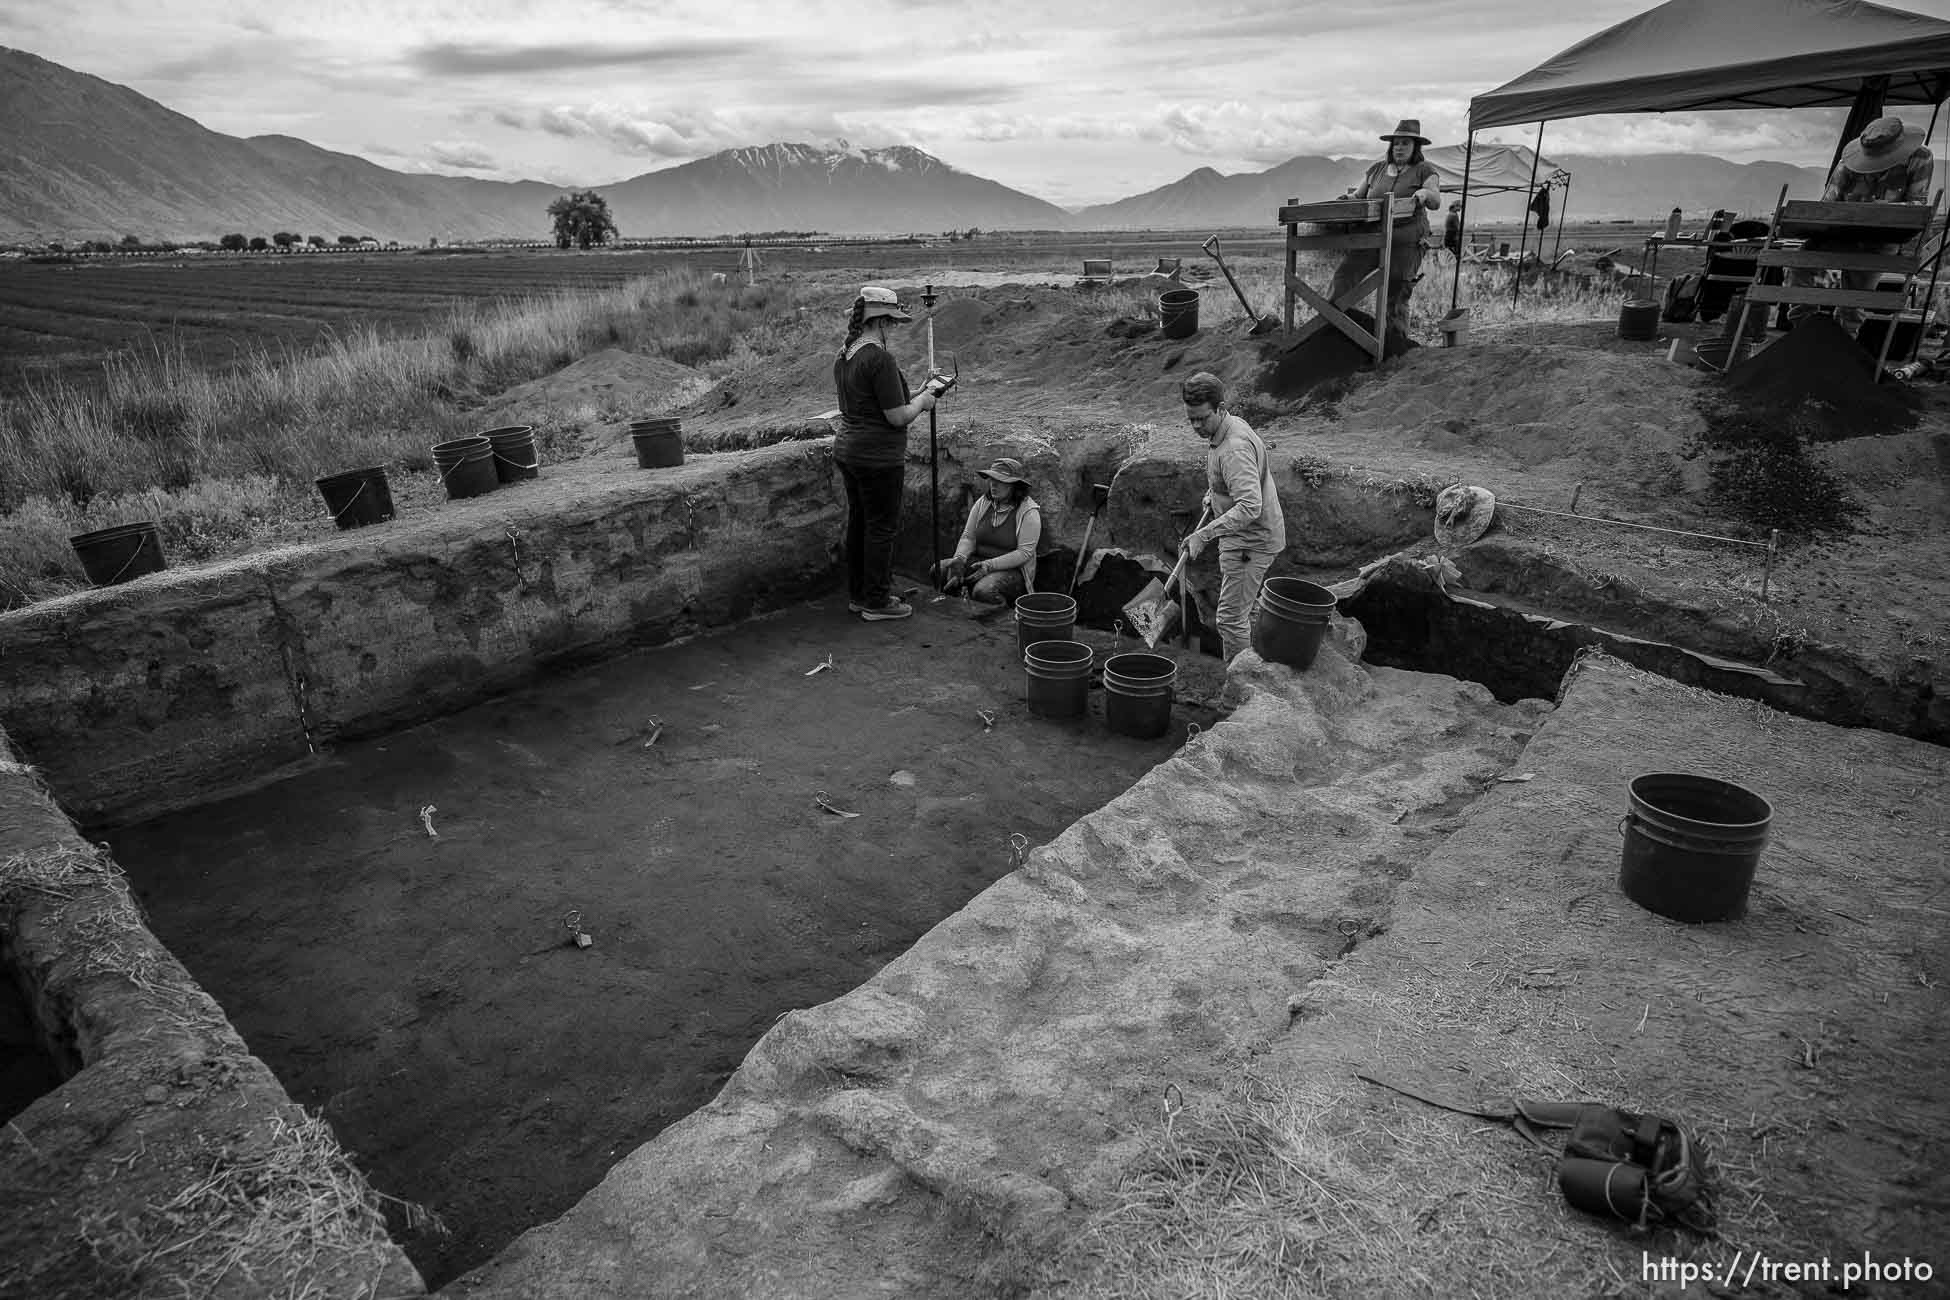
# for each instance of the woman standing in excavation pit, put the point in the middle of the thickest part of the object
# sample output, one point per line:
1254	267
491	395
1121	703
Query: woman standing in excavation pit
871	449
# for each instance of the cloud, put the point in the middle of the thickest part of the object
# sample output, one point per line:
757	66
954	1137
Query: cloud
464	155
450	59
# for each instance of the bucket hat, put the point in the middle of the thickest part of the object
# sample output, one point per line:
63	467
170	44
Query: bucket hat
1410	128
1006	470
881	301
1882	144
1462	514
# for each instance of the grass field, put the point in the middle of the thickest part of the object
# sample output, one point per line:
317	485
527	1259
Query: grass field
207	393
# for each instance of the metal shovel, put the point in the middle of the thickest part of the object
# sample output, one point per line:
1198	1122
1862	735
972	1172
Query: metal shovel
1261	324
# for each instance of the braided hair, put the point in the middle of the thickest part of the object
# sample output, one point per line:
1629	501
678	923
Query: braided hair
856	324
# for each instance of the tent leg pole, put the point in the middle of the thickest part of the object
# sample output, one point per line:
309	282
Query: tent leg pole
1936	262
1557	249
1455	278
1516	284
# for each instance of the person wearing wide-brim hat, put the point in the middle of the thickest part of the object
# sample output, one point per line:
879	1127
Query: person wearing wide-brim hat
1887	163
876	407
1402	173
995	560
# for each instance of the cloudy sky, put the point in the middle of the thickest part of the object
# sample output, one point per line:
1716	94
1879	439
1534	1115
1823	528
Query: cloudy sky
1074	101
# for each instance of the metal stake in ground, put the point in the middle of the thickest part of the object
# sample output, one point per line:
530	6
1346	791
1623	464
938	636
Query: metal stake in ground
934	446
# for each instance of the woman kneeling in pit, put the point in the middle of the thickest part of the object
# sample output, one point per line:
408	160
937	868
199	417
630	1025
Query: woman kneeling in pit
995	561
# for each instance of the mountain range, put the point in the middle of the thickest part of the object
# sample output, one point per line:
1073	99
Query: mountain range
85	158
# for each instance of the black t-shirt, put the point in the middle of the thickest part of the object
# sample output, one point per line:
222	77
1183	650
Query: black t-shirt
869	384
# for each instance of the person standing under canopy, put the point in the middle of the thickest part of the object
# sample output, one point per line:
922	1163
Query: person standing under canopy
1402	174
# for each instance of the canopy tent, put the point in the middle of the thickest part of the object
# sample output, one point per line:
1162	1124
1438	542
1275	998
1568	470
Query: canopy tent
1695	55
1492	168
1705	54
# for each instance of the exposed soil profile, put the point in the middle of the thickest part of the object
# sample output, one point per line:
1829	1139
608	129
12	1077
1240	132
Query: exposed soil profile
423	992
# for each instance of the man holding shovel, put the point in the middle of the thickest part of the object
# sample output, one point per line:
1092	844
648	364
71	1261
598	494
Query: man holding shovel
1246	521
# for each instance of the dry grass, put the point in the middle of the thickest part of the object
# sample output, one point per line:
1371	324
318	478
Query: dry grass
282	1217
223	461
1546	298
60	873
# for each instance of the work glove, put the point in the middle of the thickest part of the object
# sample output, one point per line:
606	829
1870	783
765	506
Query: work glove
1195	542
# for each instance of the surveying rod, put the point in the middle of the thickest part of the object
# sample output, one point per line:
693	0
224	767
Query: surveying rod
934	447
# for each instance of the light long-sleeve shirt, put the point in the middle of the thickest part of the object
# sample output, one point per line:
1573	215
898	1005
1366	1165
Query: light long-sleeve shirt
1029	532
1245	502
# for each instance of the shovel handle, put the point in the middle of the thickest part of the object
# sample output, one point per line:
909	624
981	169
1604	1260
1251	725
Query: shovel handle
1212	246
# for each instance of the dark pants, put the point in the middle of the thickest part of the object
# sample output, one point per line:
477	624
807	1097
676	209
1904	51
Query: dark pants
873	519
1404	267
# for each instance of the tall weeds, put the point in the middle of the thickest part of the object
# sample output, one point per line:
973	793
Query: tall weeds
219	458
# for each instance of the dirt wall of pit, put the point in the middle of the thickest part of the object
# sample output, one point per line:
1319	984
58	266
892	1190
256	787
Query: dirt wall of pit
137	699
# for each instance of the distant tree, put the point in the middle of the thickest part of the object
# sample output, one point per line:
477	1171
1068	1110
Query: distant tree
316	241
348	241
259	243
235	243
581	219
285	239
131	241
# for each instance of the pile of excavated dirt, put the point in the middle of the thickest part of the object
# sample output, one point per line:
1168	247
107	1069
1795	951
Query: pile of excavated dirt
602	387
1824	378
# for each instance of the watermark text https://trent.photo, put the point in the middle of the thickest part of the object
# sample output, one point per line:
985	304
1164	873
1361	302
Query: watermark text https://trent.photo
1748	1268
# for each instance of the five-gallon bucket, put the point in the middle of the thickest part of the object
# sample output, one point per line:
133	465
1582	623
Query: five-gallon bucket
1290	621
659	442
1178	313
1454	328
121	553
1639	319
357	497
1056	678
515	456
1138	694
1043	616
1691	846
466	466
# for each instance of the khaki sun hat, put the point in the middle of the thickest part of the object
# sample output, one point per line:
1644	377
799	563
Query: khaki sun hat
1006	470
1462	514
1410	128
881	301
1882	144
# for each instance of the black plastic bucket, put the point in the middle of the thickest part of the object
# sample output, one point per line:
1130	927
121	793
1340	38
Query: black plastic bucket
1056	678
120	554
1043	616
1691	846
357	497
659	442
1138	689
1290	621
1639	319
515	456
466	466
1178	313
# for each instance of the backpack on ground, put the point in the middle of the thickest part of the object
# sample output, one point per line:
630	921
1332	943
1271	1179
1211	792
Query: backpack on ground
1682	298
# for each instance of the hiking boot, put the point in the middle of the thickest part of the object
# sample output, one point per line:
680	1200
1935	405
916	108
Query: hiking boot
892	609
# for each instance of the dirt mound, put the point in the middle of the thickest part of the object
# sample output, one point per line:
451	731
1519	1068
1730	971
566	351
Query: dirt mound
1529	405
607	385
1328	355
1823	378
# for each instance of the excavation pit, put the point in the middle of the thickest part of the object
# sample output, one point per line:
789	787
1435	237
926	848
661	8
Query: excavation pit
740	830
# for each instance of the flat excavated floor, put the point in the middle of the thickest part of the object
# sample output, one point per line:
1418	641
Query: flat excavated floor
422	991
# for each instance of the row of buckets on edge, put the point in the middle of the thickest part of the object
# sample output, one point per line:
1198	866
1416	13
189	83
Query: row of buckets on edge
468	467
1289	623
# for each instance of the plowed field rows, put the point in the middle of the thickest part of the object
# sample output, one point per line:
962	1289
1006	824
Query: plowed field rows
64	320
